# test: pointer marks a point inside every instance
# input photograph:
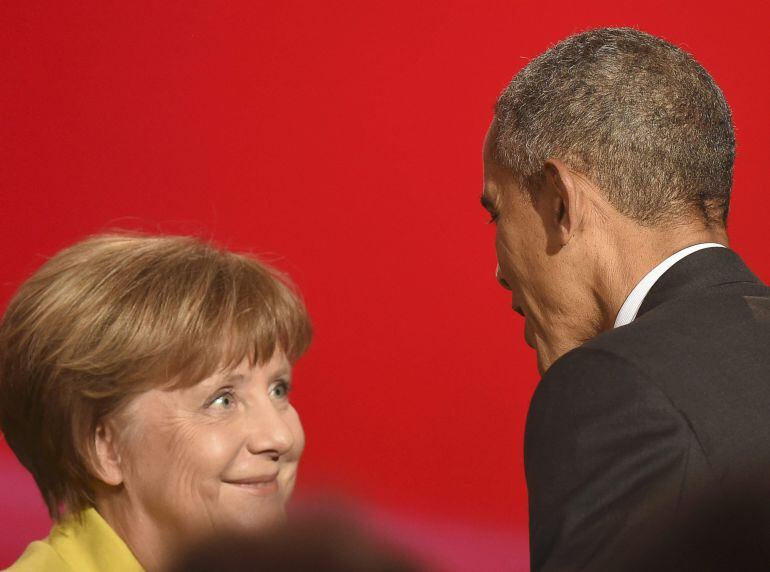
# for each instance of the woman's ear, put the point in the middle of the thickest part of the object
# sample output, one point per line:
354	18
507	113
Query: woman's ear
568	202
107	460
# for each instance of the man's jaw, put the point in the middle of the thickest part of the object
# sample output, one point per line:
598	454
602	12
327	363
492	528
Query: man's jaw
527	334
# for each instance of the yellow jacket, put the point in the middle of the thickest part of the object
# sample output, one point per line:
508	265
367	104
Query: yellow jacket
72	546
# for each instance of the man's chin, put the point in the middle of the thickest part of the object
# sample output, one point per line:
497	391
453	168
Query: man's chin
528	338
542	364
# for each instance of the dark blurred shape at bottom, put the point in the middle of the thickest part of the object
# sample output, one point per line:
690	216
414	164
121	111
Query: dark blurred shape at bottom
320	544
729	531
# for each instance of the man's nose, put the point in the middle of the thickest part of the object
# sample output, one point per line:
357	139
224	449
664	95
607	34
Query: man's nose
500	278
269	434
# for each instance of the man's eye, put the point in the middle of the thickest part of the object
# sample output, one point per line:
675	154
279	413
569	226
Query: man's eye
281	390
223	401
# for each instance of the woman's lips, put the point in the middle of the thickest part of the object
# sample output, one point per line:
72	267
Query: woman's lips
261	486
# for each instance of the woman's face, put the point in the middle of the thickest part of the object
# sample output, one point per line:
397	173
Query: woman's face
220	454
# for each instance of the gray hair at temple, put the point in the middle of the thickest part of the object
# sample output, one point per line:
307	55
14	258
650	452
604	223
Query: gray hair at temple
636	114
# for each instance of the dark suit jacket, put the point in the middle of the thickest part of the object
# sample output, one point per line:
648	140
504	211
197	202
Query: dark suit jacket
632	429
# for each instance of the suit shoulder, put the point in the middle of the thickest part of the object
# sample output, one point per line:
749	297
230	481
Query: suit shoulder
590	358
593	365
718	319
718	338
594	383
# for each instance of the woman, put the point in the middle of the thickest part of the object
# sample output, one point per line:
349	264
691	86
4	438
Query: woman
144	383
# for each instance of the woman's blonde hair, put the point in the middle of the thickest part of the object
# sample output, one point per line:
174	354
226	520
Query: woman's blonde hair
115	315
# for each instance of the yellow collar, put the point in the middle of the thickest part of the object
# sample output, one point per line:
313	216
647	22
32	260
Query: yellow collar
90	545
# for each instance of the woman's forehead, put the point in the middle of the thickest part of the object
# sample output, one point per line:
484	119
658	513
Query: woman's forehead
245	368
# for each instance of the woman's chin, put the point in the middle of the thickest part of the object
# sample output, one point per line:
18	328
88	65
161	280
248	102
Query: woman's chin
245	518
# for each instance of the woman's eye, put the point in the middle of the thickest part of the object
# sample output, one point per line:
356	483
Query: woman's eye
281	390
223	401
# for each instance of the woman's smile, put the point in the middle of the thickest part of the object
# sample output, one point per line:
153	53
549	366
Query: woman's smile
263	485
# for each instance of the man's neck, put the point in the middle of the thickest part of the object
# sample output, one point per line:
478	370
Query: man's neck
609	264
636	254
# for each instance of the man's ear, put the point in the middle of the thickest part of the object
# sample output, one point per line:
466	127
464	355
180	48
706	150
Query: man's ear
107	464
566	200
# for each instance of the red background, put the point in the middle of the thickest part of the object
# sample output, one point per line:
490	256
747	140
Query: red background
342	142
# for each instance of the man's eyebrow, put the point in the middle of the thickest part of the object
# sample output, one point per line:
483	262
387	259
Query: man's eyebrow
487	203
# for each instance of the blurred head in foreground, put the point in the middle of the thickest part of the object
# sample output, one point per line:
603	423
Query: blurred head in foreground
725	531
148	378
318	544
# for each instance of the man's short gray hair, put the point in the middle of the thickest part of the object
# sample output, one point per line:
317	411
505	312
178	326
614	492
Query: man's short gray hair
636	114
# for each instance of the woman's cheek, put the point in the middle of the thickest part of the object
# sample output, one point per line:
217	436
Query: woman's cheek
299	434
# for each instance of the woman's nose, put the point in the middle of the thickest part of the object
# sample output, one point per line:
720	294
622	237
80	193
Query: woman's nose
269	433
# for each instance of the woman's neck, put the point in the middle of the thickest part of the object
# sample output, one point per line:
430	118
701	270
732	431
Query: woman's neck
150	544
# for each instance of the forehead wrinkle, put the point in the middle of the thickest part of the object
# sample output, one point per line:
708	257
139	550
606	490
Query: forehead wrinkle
279	363
233	377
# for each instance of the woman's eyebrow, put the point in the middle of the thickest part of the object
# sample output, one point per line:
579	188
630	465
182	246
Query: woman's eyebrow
233	378
284	371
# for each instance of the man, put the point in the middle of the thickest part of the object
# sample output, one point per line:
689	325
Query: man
608	170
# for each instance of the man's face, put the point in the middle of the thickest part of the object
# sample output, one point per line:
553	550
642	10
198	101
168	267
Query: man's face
522	248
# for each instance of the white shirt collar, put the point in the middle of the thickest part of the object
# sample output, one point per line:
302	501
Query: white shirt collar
630	307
